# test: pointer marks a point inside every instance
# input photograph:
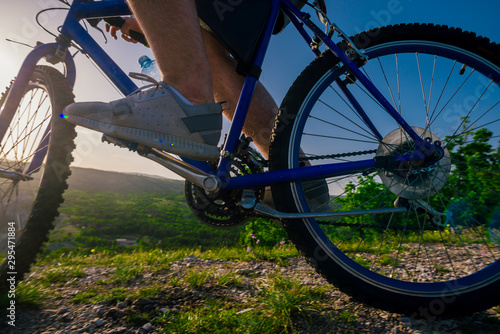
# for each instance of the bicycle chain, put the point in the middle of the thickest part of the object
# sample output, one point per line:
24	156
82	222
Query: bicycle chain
336	156
337	224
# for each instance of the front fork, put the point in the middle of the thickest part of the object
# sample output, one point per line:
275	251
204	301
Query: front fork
53	52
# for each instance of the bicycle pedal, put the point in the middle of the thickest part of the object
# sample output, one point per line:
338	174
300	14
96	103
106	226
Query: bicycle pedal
131	146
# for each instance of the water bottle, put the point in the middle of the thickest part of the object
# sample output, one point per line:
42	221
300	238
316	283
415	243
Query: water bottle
149	67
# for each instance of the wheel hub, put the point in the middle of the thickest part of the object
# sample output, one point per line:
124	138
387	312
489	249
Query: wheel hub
411	179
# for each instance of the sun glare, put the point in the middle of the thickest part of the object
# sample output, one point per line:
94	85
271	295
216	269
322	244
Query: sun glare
8	69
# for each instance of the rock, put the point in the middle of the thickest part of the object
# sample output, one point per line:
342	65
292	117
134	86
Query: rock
99	322
243	271
99	310
143	302
191	258
106	302
115	313
119	330
121	305
406	321
66	316
245	311
147	328
88	329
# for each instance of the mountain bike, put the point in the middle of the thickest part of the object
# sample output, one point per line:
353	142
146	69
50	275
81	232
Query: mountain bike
383	167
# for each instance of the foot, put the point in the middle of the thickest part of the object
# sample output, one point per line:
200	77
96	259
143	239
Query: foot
156	117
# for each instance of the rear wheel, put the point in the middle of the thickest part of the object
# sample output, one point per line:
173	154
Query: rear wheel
440	257
35	154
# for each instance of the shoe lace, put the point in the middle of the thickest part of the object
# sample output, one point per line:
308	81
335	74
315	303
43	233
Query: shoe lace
144	77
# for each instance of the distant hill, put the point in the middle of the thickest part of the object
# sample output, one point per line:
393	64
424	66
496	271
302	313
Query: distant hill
102	207
93	180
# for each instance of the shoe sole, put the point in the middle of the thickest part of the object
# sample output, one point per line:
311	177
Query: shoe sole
168	143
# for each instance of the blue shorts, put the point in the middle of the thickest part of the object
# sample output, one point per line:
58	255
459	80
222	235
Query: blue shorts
238	24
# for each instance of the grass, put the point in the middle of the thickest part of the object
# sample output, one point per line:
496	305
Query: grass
387	260
160	259
229	280
61	274
127	273
127	266
286	299
273	311
279	302
347	316
30	295
89	295
214	318
280	305
386	242
196	278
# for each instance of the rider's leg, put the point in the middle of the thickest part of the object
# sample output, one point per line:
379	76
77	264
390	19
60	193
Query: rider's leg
227	85
158	117
174	34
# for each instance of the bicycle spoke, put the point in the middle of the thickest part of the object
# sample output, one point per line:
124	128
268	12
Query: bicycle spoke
342	128
388	85
431	117
423	90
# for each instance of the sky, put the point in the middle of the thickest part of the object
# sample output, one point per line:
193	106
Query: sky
288	55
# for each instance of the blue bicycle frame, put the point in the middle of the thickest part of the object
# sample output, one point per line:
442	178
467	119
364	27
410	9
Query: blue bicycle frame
73	31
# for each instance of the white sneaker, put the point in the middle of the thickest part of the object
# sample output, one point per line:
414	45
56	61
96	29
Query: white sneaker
158	117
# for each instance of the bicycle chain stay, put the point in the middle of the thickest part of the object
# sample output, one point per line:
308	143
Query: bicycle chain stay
433	215
379	226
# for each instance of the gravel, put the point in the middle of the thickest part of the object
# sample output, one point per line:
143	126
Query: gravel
339	313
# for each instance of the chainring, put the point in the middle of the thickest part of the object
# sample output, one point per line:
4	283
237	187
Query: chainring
223	210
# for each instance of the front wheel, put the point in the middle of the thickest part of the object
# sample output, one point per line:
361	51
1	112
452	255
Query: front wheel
440	257
35	154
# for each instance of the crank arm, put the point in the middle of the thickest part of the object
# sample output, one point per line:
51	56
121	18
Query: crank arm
206	181
270	212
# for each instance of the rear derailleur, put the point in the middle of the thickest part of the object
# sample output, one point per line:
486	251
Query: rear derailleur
422	207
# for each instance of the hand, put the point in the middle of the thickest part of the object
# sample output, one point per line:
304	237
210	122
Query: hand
130	24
